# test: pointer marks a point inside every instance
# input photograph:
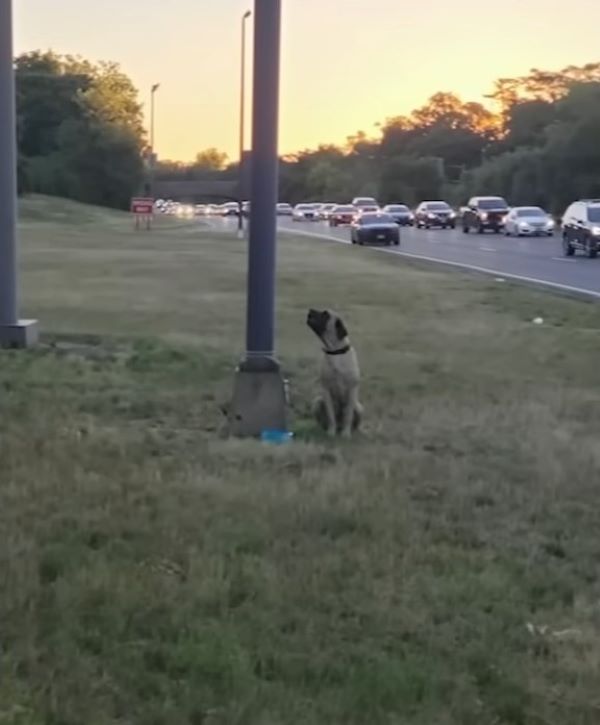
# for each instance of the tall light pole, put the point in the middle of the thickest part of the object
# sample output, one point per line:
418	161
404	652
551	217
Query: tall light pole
13	331
259	401
153	90
245	17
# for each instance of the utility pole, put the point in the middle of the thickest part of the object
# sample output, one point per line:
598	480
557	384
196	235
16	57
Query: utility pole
153	90
259	400
13	331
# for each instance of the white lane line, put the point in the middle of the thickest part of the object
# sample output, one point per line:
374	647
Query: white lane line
488	249
564	259
460	265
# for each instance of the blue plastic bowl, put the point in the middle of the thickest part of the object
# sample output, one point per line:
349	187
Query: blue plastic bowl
276	437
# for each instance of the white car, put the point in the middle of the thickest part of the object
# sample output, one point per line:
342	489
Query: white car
365	201
284	209
325	211
306	213
530	221
230	208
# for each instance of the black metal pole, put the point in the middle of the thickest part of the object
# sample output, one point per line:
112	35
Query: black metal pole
14	332
260	324
8	173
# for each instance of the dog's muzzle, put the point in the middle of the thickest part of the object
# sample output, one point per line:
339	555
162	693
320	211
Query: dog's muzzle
317	321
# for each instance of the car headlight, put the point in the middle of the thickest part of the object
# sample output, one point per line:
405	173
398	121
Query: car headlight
484	216
596	231
523	225
431	216
550	224
452	215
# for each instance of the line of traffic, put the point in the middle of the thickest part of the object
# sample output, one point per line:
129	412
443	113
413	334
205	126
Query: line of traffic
499	270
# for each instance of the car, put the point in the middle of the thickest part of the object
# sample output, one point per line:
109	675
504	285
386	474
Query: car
376	228
246	209
434	214
306	212
367	209
231	208
400	213
284	209
199	209
361	202
528	221
342	214
185	210
483	213
581	228
325	211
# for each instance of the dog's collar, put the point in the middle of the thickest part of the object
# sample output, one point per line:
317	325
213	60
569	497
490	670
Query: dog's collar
341	351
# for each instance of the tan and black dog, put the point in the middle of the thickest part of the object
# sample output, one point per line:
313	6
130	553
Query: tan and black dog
337	409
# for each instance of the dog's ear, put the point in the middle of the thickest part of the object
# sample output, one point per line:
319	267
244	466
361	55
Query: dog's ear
340	329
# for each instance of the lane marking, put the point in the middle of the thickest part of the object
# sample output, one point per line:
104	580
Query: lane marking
488	249
458	265
564	259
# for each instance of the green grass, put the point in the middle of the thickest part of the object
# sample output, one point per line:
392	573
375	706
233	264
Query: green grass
441	569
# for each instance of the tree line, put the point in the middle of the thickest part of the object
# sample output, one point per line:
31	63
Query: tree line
539	146
81	135
79	128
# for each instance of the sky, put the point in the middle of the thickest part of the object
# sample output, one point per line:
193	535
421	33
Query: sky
346	64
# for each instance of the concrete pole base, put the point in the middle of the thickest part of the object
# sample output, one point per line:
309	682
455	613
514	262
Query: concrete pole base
259	401
25	333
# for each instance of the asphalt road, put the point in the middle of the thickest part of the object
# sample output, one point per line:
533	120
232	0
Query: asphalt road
538	260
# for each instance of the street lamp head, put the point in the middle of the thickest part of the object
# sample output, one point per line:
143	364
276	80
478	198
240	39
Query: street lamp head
247	14
155	87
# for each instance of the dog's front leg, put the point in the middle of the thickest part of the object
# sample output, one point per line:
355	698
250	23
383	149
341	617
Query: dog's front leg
330	412
348	413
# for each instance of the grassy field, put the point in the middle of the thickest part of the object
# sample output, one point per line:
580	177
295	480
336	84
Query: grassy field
442	569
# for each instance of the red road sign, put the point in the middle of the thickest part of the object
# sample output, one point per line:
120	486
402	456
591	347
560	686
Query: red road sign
142	205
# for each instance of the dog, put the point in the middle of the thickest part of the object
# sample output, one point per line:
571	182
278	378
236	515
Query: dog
337	410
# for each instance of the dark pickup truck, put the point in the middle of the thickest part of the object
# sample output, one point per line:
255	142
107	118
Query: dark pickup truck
483	213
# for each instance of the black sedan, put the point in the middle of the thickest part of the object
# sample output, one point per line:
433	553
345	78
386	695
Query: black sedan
400	213
435	214
375	229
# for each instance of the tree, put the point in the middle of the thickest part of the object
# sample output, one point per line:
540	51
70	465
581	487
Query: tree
549	86
410	180
46	97
445	128
555	155
526	121
210	160
111	97
80	129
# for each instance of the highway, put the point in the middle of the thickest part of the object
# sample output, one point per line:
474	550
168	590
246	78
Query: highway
536	260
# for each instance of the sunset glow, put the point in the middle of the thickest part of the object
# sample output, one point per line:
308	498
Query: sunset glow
347	64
